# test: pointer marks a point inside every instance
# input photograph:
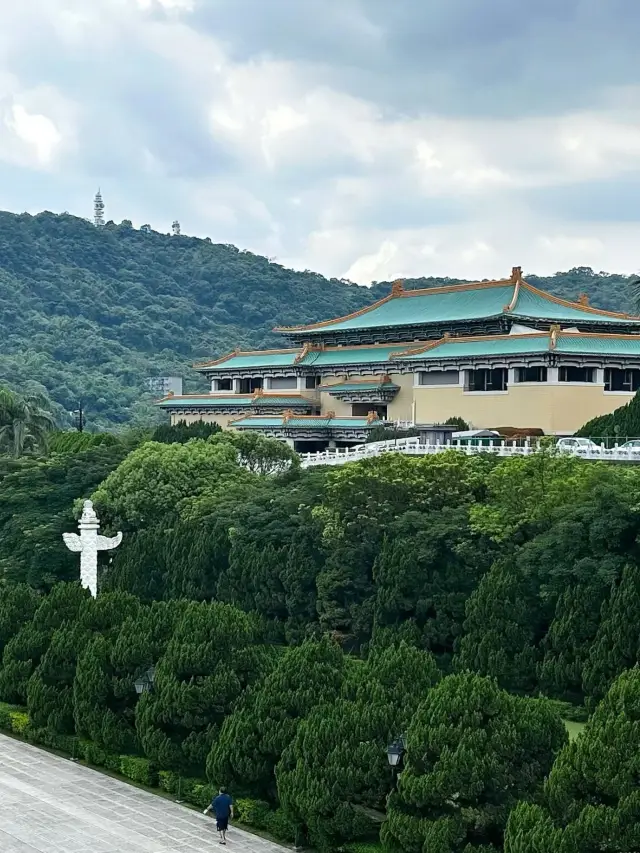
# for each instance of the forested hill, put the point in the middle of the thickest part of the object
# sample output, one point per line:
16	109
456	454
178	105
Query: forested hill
90	314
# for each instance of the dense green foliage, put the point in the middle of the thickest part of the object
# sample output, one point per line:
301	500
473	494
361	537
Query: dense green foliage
621	424
297	621
90	314
473	752
591	801
36	507
25	423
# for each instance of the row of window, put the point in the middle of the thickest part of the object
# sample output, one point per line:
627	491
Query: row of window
484	379
496	379
276	383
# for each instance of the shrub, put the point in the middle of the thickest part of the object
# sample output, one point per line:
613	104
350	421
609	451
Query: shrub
138	770
253	812
19	722
281	826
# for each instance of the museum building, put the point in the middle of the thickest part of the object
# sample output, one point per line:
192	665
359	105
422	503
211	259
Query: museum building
495	353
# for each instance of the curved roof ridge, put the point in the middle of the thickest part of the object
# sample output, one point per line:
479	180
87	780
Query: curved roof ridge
465	339
567	303
400	293
238	351
350	316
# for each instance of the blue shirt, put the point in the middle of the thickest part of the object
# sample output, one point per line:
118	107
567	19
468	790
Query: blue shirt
221	805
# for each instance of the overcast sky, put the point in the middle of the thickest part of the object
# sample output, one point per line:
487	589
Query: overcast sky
369	139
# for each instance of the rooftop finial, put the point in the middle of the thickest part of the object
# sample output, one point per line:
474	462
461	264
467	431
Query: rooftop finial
397	288
98	210
516	273
583	299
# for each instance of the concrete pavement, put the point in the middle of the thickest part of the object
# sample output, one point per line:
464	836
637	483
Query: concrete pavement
51	805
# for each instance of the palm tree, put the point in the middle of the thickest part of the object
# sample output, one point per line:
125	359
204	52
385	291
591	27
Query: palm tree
25	422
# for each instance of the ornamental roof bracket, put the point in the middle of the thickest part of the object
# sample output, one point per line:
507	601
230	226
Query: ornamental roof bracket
553	336
516	276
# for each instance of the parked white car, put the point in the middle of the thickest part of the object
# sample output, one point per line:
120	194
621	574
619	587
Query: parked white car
577	445
632	446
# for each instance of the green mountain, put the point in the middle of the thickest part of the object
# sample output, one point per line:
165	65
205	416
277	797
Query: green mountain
90	314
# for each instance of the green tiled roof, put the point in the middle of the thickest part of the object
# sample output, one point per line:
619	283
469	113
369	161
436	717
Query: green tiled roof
536	305
303	423
460	303
351	355
464	302
236	401
208	401
314	358
273	400
588	345
242	360
466	348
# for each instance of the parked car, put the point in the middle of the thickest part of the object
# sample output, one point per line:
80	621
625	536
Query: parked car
577	445
633	446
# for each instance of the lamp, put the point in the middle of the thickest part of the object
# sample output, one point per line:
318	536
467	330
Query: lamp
395	751
144	683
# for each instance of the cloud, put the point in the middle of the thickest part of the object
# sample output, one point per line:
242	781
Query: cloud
361	138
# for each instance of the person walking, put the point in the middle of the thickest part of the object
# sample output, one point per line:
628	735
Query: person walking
222	807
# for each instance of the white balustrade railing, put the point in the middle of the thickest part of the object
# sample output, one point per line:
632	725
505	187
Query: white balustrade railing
412	447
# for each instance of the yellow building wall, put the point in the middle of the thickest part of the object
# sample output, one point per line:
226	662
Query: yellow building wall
401	407
560	408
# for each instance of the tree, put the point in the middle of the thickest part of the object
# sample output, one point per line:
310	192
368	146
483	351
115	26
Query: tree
472	751
258	454
182	432
253	738
25	422
152	481
617	642
525	493
37	508
18	604
210	660
426	569
50	688
591	800
24	651
336	766
504	625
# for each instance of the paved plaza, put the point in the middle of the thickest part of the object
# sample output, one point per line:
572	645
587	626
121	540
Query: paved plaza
51	805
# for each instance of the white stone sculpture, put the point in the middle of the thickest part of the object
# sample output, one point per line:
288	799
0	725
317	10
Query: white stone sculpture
88	543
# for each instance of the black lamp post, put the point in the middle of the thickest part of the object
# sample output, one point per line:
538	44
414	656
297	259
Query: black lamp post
144	683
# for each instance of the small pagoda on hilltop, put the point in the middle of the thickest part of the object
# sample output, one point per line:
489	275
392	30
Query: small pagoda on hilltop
490	352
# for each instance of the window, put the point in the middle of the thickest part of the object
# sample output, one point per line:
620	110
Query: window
222	385
576	374
248	386
487	380
361	410
283	383
531	374
621	380
439	377
312	382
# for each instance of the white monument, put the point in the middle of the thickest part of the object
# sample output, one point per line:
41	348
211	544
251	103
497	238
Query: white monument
88	543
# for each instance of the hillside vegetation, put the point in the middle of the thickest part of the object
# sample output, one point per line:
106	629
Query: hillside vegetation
90	314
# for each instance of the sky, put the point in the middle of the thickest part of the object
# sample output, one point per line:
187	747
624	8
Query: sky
363	139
